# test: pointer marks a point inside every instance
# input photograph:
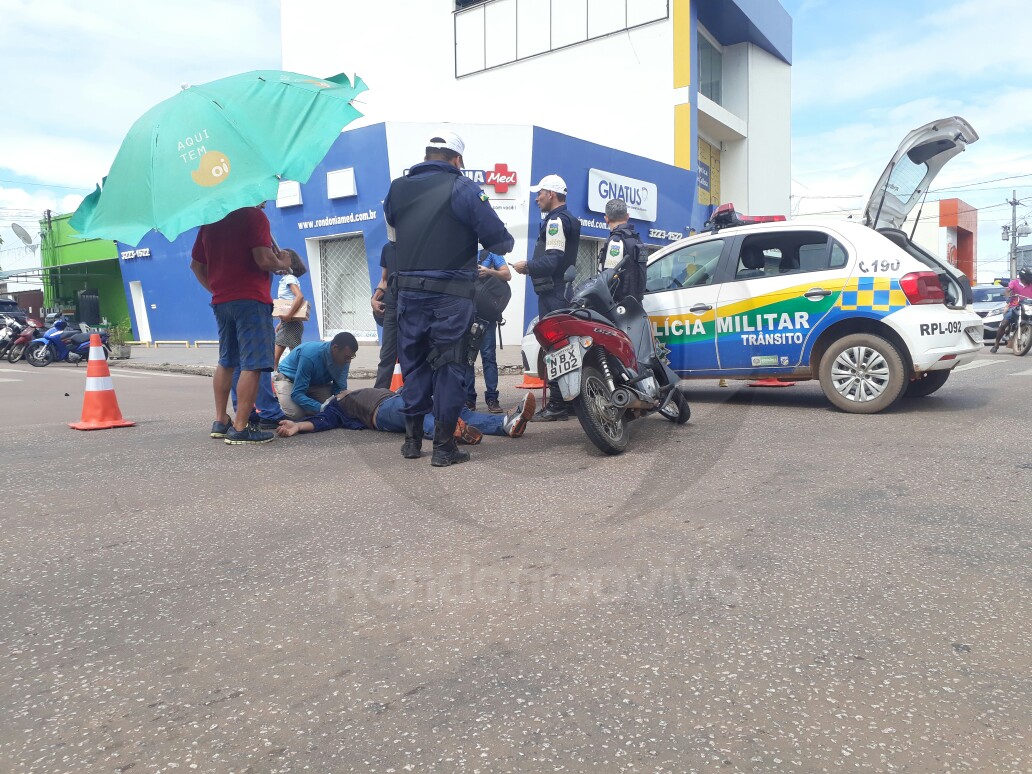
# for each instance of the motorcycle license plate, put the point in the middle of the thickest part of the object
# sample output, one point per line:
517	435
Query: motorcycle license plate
562	361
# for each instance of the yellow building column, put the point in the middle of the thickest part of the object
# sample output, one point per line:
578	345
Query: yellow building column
684	149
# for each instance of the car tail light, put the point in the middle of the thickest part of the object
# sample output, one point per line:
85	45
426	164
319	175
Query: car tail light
550	334
922	287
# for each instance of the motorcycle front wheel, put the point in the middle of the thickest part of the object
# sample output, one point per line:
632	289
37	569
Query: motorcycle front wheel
677	411
603	423
1022	341
14	354
39	355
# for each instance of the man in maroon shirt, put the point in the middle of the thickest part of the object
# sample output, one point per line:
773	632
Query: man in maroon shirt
232	259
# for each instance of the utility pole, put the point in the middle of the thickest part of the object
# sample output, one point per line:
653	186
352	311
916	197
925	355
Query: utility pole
1014	235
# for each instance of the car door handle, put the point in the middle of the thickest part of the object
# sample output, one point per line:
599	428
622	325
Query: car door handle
700	308
815	293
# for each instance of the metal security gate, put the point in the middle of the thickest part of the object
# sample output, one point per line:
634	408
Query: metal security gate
587	258
346	288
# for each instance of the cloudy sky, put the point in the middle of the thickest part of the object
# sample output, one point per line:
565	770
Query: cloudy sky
864	74
80	71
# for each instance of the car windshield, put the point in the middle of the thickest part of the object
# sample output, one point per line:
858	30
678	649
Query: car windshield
991	295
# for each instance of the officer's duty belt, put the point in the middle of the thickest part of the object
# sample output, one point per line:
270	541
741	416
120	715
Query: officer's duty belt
461	288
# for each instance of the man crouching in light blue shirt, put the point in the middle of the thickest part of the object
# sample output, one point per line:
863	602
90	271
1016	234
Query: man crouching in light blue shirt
313	373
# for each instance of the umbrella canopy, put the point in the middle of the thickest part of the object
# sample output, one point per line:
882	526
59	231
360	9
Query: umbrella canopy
212	149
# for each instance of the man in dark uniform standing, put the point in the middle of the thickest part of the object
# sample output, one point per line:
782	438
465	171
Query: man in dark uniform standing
555	254
436	217
624	252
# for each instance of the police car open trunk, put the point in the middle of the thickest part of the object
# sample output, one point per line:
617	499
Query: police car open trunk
904	185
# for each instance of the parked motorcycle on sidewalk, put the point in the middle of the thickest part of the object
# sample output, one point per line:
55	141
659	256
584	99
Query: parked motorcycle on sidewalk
607	362
24	336
60	344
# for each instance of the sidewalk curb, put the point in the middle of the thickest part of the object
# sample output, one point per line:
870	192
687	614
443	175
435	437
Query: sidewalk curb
203	370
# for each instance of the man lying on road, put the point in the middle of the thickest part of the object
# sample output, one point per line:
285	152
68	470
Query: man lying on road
376	409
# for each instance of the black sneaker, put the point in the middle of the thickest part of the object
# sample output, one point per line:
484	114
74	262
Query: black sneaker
247	435
494	407
471	405
552	414
269	424
219	429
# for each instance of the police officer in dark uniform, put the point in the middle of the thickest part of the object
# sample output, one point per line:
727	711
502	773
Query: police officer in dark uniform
623	251
385	311
436	217
552	268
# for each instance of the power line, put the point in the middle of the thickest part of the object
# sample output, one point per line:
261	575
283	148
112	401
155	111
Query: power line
46	185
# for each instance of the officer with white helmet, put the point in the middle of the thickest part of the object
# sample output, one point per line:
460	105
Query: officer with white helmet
553	267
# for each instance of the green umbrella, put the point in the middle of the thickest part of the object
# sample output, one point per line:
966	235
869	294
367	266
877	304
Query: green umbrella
212	149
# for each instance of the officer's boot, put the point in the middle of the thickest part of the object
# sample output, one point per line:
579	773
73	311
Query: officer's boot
410	450
446	449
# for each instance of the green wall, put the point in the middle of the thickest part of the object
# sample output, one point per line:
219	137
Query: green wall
83	263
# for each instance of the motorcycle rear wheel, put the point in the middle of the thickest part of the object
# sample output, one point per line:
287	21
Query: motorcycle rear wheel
1022	340
14	354
603	423
39	355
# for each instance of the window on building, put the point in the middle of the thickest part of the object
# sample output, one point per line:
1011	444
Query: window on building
710	69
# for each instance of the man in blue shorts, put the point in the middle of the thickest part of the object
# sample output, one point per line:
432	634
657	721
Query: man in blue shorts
232	259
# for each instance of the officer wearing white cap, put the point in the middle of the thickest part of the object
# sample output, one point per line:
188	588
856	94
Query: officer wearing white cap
436	216
552	268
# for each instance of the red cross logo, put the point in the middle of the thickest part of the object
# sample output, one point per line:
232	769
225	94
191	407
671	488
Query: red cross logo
501	178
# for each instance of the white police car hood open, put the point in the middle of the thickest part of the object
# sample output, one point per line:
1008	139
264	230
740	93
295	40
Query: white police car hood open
914	165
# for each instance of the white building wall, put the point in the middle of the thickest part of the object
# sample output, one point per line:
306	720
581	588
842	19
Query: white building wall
616	91
769	124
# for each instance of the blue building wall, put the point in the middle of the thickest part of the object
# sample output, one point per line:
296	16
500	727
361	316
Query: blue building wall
571	159
364	150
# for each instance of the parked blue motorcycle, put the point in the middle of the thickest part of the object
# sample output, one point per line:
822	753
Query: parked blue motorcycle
61	344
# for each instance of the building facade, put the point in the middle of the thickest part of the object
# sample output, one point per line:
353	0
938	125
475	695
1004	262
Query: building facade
703	85
335	222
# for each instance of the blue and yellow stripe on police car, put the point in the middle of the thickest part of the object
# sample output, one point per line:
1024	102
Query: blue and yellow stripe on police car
877	294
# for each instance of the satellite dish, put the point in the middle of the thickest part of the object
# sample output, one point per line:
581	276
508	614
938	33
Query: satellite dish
22	234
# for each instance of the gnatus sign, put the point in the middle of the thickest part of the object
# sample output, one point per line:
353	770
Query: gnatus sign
641	197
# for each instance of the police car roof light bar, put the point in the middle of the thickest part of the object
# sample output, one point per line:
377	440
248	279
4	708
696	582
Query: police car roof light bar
725	216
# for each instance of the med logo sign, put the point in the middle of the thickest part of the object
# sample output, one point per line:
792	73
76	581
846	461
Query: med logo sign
641	197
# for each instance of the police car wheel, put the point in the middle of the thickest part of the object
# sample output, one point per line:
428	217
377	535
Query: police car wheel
927	384
862	374
603	423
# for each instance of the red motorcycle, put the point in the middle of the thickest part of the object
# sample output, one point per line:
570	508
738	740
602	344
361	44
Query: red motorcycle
31	330
607	362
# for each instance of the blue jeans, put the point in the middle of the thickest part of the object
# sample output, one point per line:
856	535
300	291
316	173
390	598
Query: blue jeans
265	402
390	418
489	358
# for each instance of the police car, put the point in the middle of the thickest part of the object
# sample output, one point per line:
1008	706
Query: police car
861	308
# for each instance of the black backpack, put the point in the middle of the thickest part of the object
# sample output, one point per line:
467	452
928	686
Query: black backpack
490	297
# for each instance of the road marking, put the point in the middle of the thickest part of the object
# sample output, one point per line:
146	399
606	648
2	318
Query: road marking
156	373
1022	373
10	380
978	364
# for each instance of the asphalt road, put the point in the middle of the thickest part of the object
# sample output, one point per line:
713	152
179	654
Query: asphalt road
776	585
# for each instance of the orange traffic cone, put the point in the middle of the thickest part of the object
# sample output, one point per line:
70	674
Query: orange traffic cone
530	383
99	405
396	381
